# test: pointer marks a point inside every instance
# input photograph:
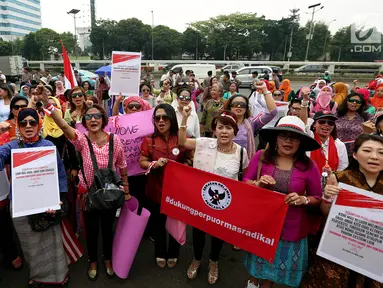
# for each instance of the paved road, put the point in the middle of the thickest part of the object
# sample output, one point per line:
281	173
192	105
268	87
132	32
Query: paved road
146	274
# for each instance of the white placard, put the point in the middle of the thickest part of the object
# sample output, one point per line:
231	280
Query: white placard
126	73
35	185
353	235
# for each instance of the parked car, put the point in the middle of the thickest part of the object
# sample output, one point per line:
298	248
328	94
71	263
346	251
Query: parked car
88	76
230	68
310	68
245	74
85	76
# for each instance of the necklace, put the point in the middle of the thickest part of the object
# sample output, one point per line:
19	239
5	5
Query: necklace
226	150
101	142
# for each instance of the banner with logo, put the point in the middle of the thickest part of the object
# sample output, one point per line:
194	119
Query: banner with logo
126	73
353	235
35	186
132	129
243	215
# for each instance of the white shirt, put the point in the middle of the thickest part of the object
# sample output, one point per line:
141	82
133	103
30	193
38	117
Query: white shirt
4	185
227	165
193	128
341	149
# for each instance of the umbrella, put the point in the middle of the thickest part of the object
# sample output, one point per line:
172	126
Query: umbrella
101	71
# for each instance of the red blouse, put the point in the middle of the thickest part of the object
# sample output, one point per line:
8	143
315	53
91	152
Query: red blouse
156	148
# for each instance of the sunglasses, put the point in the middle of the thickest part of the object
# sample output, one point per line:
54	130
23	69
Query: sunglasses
24	123
355	101
145	90
132	105
17	107
161	117
329	122
96	116
277	94
75	95
294	138
239	104
184	98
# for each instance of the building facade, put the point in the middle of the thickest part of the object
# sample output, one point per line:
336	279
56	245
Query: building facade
18	18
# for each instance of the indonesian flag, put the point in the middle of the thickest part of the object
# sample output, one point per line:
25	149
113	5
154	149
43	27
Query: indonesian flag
70	79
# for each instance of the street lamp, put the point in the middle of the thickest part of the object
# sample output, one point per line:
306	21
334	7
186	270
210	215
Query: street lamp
311	26
152	35
325	40
74	12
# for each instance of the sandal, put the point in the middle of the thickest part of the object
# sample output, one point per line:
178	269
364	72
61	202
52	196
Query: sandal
109	272
92	274
193	269
213	272
161	262
17	264
172	262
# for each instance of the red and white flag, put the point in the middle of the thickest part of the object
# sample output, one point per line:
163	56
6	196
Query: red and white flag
70	79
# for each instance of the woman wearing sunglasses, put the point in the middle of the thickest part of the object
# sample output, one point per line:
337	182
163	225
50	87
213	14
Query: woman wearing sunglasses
38	247
286	168
166	95
220	156
333	154
248	126
77	106
17	103
278	95
156	150
94	120
351	115
146	94
184	100
131	104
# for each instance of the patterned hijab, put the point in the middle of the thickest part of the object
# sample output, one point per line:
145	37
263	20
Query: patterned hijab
24	113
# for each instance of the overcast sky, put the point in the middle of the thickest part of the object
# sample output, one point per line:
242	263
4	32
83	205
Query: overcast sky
176	14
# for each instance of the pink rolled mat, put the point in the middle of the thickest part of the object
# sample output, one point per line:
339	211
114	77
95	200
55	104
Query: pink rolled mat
177	229
129	232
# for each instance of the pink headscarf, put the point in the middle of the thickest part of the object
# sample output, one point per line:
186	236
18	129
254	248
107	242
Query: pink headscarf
145	105
323	100
60	91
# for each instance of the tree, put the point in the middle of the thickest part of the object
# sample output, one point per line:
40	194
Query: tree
102	38
167	43
193	43
5	48
232	36
132	35
31	49
46	39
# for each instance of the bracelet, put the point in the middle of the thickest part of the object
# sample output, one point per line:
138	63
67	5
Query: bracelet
184	126
267	92
151	165
307	200
327	200
49	107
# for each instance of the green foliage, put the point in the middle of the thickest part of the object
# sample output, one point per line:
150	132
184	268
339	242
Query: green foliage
231	37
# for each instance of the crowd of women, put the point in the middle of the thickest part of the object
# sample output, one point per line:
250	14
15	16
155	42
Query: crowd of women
323	131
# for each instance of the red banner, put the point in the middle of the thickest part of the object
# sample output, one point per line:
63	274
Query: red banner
243	215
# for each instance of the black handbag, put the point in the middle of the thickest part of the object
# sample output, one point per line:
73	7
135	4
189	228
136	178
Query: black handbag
42	221
105	192
105	94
